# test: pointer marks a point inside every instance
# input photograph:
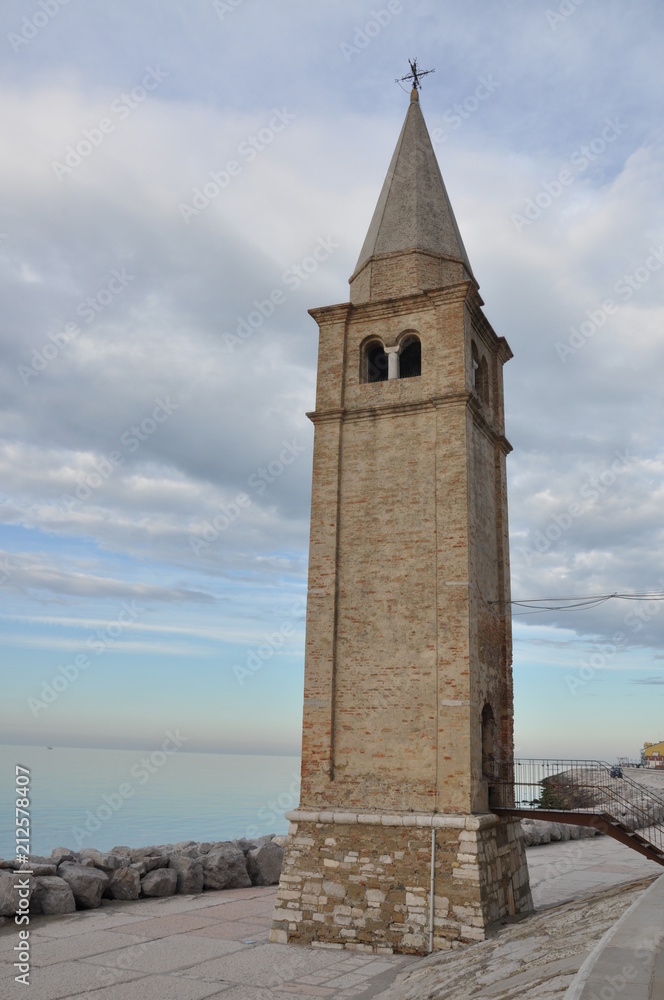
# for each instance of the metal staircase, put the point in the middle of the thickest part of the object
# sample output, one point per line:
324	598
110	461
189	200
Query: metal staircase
582	793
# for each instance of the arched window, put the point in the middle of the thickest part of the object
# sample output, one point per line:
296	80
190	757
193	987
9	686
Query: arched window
488	742
480	374
483	381
374	363
410	358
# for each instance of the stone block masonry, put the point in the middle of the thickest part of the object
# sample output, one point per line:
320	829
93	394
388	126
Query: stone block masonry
362	881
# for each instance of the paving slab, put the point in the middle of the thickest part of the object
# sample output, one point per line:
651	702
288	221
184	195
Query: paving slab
239	930
155	988
96	943
267	965
69	979
174	923
73	924
169	954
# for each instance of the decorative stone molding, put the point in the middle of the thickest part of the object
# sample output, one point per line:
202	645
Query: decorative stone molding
481	821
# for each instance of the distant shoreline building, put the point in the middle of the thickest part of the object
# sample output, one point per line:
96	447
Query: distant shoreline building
652	754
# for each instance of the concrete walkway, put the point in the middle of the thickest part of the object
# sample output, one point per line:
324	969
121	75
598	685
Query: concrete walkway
216	945
629	959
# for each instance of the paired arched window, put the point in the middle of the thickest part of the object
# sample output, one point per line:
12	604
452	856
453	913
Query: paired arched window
378	364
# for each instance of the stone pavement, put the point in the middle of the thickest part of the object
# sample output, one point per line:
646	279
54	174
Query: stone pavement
216	945
185	948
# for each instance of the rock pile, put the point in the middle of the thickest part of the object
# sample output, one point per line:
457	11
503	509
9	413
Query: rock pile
537	831
79	880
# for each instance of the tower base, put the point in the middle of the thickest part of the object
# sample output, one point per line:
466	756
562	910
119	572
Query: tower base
362	881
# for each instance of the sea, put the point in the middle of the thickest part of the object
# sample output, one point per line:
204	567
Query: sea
135	798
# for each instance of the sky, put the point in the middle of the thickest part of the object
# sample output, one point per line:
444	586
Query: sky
168	171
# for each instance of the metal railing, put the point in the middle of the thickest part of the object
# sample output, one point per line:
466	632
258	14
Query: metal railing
582	792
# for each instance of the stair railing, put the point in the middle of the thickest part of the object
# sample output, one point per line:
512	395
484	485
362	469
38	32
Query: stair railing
576	790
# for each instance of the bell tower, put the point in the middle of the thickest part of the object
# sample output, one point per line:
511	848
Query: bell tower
408	682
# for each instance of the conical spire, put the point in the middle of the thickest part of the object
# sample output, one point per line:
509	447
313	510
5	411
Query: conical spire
413	219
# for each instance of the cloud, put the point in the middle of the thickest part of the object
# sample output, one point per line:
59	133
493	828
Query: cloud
103	500
37	574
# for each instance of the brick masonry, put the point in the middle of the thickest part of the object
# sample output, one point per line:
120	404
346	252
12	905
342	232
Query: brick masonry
408	681
408	645
407	639
366	885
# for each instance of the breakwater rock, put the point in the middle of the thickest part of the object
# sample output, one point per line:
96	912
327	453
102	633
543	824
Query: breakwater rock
71	880
537	831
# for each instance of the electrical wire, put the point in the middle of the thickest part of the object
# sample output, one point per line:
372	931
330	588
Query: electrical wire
576	603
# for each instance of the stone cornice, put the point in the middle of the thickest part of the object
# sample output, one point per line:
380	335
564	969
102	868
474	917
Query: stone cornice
468	399
400	306
476	409
338	311
459	292
504	350
410	251
478	821
371	412
325	416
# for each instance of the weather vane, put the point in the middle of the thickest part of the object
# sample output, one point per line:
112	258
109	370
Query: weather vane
415	75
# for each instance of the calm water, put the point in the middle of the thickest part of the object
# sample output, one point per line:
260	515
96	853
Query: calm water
102	798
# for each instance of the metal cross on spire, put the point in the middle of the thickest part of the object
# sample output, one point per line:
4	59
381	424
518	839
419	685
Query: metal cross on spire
415	74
